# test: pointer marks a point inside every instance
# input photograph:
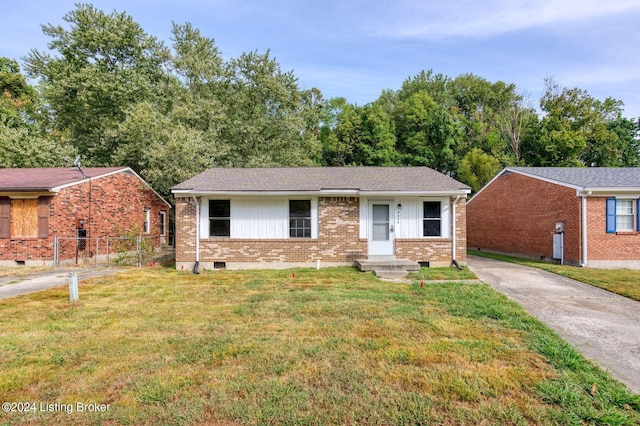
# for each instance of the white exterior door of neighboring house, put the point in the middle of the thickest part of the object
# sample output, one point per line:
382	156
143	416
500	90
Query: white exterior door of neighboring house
163	227
381	229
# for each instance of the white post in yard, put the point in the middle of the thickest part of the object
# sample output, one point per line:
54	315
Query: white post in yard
73	286
55	251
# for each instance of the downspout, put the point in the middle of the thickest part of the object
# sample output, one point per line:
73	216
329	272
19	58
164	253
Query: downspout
584	229
197	264
453	233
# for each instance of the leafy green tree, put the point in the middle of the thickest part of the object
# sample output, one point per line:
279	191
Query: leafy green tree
477	168
427	134
479	106
163	149
17	98
22	141
378	146
574	130
342	133
629	144
24	147
265	121
104	64
435	85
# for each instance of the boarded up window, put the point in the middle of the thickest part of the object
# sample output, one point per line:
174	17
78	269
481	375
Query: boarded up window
5	217
24	215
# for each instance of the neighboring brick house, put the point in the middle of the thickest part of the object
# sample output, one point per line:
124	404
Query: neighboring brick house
36	205
280	217
589	215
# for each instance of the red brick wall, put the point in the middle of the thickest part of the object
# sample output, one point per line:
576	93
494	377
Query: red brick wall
109	205
338	239
603	246
517	214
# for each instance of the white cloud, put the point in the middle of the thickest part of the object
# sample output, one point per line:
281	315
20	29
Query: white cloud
483	18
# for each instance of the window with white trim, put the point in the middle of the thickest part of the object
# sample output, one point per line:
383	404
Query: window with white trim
625	215
146	225
300	218
622	215
431	219
219	218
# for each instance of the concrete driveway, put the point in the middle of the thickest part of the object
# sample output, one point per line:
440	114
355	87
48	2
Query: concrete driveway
17	285
603	326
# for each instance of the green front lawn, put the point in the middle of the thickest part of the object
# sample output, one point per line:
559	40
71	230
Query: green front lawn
625	282
334	346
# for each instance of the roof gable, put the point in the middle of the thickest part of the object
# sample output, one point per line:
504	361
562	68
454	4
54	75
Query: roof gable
603	179
318	179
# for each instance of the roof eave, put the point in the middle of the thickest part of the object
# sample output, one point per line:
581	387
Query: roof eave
611	190
27	192
323	192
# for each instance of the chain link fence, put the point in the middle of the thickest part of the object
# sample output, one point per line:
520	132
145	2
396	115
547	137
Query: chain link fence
105	251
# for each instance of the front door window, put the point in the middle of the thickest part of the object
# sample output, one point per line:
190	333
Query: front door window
380	222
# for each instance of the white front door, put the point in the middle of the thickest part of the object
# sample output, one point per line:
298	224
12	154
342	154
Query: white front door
381	228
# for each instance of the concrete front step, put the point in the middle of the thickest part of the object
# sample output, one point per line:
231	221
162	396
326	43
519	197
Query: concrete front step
367	265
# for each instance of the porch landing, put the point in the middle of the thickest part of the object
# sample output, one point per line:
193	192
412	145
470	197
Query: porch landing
387	267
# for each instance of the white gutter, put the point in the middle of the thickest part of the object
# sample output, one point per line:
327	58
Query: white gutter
197	228
453	228
322	193
584	228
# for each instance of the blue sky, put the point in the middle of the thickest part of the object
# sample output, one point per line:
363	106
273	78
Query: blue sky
356	48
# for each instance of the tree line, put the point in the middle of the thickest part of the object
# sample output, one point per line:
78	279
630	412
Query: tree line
116	95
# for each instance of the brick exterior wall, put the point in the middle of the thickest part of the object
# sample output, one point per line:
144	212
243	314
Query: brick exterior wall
338	239
437	251
608	247
109	205
517	214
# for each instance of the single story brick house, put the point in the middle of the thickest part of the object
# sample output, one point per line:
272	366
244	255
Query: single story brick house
283	217
37	205
581	216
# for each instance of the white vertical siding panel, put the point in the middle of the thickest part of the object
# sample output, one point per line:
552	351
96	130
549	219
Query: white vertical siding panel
314	217
262	218
204	218
364	212
410	216
445	211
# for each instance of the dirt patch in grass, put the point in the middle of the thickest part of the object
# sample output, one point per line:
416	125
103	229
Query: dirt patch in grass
333	346
443	274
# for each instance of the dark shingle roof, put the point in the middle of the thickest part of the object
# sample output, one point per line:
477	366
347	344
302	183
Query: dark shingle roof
587	177
45	179
401	179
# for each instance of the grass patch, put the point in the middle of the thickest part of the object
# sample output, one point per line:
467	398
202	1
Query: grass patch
20	271
625	282
333	346
450	273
